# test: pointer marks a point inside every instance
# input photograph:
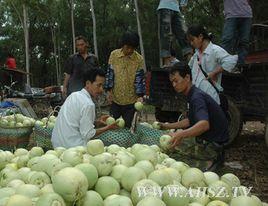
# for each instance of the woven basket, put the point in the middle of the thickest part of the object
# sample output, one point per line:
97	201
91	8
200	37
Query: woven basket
42	135
121	137
12	138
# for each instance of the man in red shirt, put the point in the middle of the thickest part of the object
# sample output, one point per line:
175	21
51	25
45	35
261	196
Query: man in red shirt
11	62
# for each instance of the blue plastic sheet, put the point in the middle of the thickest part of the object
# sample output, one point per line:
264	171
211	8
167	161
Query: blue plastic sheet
7	104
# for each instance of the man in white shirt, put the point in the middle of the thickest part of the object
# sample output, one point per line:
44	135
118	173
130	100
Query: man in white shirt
75	122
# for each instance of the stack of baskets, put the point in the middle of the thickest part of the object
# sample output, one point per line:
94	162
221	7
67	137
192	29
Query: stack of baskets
12	138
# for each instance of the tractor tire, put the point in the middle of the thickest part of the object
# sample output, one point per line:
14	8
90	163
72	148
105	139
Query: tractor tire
235	121
266	133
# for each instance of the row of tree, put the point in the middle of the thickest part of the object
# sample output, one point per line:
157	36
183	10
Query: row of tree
40	33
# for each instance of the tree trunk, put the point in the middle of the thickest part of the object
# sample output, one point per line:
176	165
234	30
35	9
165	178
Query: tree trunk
94	28
72	22
140	33
55	53
59	57
26	40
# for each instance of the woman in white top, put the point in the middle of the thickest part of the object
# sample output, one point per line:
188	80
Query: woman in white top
211	58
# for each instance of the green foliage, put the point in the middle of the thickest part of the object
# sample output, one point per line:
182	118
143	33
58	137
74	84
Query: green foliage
208	13
113	18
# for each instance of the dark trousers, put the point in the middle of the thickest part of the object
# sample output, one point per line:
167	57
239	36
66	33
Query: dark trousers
235	36
171	24
126	111
217	147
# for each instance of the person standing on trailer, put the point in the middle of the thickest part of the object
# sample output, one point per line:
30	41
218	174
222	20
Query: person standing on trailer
237	26
171	22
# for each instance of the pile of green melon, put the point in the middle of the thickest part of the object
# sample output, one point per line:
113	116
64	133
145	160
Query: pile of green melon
96	175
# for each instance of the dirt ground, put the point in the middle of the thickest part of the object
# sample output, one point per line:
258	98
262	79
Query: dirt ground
247	158
250	152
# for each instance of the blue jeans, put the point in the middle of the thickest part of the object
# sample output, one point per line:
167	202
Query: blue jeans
235	37
170	23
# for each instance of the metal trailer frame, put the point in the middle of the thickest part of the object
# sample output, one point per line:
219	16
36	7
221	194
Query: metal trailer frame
247	88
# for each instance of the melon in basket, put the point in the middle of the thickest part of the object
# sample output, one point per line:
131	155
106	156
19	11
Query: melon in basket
17	120
47	122
39	123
